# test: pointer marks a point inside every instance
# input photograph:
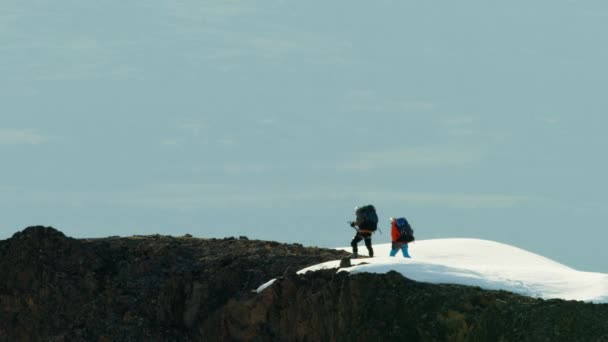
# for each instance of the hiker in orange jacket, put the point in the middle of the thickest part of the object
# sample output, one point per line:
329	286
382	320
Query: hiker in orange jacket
401	234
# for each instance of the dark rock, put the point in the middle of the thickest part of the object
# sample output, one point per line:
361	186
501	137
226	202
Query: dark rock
53	287
325	306
345	262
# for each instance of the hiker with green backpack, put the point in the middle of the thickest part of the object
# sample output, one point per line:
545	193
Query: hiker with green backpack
366	223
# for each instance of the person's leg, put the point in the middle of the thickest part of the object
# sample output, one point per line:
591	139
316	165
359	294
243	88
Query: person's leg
368	244
405	251
395	247
355	241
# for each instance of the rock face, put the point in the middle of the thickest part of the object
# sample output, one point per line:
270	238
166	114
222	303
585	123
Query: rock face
131	289
162	288
325	306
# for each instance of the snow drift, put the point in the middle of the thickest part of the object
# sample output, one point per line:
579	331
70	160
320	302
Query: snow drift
487	264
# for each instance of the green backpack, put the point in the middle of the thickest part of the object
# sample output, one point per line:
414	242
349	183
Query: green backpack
367	219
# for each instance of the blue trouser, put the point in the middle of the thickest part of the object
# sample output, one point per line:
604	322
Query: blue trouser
397	247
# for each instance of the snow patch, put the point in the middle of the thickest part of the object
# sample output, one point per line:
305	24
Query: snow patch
487	264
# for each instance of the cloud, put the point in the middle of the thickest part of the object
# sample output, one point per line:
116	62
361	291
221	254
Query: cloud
459	125
257	169
193	127
69	58
210	11
22	136
171	142
267	121
187	132
458	200
226	142
356	163
23	197
367	100
462	132
187	197
390	106
231	45
197	196
549	120
412	156
457	121
594	13
272	47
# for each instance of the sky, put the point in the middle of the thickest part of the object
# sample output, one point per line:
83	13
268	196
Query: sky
274	119
483	263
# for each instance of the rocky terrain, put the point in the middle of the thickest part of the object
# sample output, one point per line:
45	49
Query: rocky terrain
163	288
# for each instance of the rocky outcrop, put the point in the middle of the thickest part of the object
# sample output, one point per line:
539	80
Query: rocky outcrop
325	306
163	288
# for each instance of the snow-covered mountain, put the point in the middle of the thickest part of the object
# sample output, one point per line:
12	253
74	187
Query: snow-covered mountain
487	264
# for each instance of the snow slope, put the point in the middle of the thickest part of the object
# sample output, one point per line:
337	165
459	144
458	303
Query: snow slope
487	264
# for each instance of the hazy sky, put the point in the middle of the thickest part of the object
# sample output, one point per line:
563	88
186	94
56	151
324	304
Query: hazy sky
274	119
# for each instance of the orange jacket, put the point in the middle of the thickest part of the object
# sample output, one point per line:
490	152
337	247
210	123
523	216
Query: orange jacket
394	232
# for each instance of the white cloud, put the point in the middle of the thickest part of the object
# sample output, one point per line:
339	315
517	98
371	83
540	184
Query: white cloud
24	197
367	100
219	26
171	142
390	106
549	120
226	142
267	121
271	47
462	132
458	200
412	156
459	125
457	121
193	127
246	168
77	59
225	196
594	13
22	136
210	11
188	131
188	197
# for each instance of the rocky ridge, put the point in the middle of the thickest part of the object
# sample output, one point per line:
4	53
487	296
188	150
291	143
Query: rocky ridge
163	288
